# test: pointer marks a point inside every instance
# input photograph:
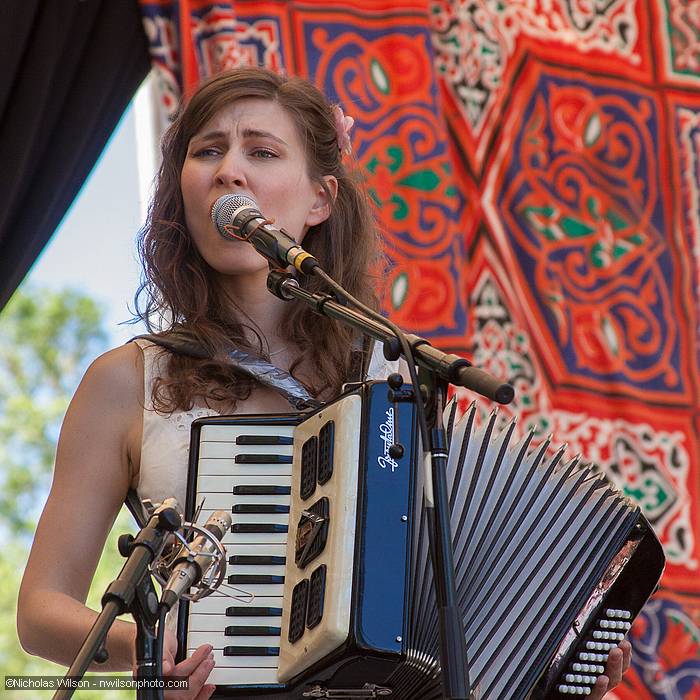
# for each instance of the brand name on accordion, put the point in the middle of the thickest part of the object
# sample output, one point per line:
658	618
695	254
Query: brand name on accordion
386	434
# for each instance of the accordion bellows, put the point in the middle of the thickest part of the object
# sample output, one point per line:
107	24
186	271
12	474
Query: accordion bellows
536	542
552	561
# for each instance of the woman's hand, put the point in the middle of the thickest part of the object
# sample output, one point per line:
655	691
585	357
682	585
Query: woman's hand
196	668
619	660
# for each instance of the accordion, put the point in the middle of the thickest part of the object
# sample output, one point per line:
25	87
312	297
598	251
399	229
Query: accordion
329	590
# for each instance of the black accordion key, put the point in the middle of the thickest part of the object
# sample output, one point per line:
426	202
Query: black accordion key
250	528
309	463
317	593
254	578
297	615
263	459
257	559
261	490
325	452
251	631
259	508
264	440
243	611
251	651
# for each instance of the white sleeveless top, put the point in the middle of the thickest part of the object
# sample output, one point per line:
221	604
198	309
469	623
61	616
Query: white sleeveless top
165	444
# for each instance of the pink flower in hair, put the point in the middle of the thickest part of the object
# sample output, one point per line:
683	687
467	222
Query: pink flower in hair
343	125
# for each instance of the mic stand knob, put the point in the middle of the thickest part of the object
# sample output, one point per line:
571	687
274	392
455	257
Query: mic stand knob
125	544
396	394
101	655
278	280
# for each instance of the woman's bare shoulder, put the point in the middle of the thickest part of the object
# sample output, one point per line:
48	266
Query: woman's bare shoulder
102	425
111	389
118	370
119	362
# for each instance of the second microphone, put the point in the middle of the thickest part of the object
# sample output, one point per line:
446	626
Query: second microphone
194	561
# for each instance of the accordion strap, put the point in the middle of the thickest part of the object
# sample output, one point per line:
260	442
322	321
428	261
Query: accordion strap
182	343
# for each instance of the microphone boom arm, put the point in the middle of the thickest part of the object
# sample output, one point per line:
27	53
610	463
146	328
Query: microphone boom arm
452	368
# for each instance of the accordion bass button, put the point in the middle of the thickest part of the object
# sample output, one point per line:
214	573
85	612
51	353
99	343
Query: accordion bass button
580	678
573	690
620	614
586	668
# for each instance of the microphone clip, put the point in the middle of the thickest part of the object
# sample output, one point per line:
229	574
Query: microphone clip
212	577
242	230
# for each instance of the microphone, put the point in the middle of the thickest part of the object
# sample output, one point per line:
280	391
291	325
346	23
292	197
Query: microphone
195	560
238	217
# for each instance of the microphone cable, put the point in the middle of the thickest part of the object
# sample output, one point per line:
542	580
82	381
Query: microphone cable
400	336
160	641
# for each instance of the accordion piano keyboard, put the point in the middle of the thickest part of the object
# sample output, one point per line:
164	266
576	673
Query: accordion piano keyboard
251	475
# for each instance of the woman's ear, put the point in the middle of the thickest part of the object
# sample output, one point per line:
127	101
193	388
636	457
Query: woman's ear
325	196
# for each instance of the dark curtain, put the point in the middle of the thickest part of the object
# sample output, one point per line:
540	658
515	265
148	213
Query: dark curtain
69	70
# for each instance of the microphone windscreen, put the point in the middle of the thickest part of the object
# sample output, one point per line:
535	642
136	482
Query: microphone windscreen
224	210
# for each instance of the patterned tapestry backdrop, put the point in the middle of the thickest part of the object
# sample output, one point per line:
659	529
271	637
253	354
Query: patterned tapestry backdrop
536	169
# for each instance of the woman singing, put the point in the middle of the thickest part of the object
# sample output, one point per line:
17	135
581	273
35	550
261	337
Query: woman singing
278	141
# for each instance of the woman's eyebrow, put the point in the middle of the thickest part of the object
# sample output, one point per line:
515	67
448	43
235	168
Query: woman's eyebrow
259	133
246	133
208	136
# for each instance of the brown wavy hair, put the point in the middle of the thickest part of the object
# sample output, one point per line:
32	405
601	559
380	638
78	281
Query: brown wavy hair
178	289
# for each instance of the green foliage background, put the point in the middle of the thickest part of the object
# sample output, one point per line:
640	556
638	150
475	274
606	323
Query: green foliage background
47	340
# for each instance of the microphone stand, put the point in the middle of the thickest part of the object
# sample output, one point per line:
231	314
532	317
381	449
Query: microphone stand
131	591
439	369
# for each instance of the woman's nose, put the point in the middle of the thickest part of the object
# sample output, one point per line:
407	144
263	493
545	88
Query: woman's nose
230	172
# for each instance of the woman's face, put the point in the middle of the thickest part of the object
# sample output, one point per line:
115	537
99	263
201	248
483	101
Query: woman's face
251	147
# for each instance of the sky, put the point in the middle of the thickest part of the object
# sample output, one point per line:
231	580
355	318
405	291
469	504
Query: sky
93	250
